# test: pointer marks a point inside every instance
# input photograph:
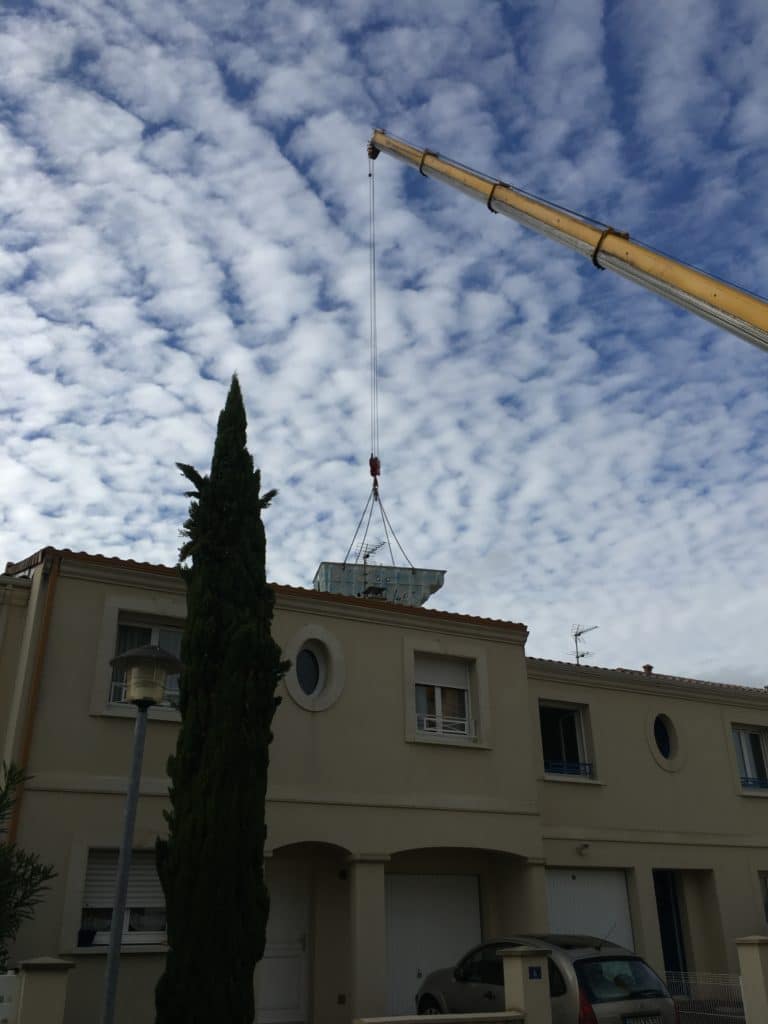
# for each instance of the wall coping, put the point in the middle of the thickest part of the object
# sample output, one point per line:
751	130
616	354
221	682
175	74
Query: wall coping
46	963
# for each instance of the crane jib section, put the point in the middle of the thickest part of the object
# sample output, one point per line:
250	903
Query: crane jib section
729	307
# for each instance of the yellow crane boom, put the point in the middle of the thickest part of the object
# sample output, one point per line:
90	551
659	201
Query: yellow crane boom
729	307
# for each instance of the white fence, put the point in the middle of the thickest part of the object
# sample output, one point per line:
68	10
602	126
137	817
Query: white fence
9	994
707	998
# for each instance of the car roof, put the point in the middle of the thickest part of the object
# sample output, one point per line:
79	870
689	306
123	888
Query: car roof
575	947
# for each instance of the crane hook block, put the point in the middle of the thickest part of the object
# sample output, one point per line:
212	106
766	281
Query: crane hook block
375	466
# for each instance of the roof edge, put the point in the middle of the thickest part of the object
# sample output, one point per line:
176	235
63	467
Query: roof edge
636	675
16	568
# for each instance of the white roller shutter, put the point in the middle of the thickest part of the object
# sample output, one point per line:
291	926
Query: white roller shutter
440	670
144	888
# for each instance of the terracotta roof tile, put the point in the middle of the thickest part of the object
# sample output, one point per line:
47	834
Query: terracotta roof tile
15	568
639	674
283	588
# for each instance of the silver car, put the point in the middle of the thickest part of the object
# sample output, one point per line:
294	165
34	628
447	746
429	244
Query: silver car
591	981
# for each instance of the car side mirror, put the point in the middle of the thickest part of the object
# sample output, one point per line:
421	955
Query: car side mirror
459	974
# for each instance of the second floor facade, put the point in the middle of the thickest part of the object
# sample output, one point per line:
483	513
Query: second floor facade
386	706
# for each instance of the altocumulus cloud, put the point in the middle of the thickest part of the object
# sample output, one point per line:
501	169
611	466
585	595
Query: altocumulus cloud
184	195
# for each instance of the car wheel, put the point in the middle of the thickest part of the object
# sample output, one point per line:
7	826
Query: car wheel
428	1007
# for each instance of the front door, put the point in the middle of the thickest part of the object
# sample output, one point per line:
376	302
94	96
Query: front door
432	920
670	925
283	975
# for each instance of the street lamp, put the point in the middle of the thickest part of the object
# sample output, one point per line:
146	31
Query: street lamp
146	669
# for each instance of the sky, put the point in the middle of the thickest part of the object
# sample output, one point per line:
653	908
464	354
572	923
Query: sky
184	194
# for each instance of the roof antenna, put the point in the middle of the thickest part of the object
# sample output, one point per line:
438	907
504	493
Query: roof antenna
604	940
577	632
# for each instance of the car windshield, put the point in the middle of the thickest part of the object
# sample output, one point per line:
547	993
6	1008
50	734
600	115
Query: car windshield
612	979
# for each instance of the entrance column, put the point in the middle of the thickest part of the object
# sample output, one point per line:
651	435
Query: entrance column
368	934
534	895
645	917
518	905
740	906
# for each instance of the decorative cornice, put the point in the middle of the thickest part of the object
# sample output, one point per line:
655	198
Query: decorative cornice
60	782
384	613
645	837
626	681
124	575
145	575
14	592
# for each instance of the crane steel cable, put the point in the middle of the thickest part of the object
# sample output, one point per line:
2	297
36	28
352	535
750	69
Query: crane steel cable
374	462
374	341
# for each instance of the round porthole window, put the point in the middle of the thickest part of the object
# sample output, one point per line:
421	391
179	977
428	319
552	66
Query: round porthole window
664	742
308	671
663	732
315	679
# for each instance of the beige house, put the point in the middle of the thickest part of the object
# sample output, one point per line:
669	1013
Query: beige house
430	787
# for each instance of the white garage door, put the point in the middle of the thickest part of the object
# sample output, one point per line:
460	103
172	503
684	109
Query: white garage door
432	920
590	902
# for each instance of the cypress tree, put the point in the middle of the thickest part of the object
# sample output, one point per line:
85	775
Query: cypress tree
211	866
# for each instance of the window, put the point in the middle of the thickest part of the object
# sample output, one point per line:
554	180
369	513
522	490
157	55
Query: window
563	740
144	921
751	743
662	734
443	704
663	740
315	678
312	668
613	979
130	635
557	986
486	967
763	876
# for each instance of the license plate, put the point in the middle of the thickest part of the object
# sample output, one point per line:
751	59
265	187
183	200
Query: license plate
644	1018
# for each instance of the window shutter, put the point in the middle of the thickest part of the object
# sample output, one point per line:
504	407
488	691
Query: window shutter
439	670
144	888
100	878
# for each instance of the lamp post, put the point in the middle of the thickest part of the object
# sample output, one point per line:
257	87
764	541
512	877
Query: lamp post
146	669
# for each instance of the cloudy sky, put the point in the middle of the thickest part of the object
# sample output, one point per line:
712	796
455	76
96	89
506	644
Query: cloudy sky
184	194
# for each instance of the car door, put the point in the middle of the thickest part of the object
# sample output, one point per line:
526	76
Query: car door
479	987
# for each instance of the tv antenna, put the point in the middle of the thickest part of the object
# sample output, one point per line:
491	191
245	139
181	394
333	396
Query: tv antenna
365	551
577	632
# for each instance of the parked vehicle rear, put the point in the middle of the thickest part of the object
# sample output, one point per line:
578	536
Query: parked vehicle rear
591	981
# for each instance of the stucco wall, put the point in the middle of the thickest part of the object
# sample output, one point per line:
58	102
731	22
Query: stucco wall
357	777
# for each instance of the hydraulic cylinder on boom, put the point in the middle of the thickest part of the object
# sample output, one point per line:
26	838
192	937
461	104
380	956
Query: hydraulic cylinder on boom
731	308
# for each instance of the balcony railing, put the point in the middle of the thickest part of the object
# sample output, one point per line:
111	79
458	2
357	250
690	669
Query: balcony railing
753	782
582	768
445	725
